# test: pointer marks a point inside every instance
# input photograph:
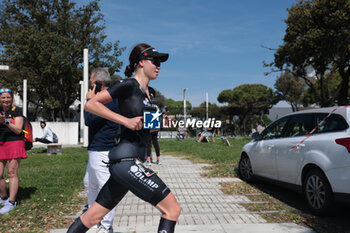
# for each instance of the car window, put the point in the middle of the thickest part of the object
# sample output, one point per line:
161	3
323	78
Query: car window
333	123
300	125
275	130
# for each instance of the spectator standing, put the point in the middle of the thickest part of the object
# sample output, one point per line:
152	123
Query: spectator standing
102	138
47	134
153	139
232	128
11	148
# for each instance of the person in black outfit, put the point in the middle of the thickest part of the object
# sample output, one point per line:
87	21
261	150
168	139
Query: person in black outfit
127	172
153	140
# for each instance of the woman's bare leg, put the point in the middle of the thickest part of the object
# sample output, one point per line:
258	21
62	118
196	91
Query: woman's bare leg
93	215
88	219
170	209
3	192
12	169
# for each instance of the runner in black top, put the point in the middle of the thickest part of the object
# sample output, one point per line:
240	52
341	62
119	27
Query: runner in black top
133	100
127	172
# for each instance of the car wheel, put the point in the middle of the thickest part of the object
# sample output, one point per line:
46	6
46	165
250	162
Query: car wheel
317	192
245	169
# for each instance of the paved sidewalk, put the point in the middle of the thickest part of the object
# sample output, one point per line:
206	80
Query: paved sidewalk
204	207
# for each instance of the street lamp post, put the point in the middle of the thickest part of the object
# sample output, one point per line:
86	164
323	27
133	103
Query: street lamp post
206	105
185	104
86	87
24	97
82	101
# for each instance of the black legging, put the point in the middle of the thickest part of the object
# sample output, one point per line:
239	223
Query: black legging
153	139
43	140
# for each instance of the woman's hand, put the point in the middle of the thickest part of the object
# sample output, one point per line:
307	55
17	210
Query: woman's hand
134	123
16	125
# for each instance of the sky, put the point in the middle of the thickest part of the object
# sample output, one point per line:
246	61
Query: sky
213	45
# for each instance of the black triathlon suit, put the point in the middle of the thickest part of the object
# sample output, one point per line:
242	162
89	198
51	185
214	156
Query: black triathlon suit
126	172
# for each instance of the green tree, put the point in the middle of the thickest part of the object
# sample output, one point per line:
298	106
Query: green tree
225	96
331	81
214	111
43	41
317	37
290	88
177	107
248	100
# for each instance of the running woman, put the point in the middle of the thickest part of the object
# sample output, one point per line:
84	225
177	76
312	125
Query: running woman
125	160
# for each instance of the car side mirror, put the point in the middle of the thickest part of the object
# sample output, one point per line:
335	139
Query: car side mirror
255	136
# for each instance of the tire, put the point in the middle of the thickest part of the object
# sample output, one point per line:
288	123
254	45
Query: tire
317	192
245	169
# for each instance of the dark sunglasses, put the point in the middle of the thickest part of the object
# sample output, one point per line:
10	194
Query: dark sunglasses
5	90
154	60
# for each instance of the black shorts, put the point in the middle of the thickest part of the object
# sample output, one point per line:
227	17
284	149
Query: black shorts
129	175
126	149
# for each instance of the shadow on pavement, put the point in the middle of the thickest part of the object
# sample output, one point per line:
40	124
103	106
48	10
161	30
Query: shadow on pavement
337	221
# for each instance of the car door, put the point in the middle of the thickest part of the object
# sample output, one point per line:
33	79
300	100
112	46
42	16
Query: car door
291	149
265	156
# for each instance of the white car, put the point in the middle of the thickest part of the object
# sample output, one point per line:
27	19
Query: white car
308	151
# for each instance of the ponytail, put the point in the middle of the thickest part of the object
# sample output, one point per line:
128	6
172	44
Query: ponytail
128	71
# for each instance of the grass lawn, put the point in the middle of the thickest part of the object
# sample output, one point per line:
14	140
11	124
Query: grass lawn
48	187
224	158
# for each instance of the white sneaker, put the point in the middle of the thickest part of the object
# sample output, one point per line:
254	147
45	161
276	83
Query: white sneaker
159	162
101	229
8	207
3	202
148	163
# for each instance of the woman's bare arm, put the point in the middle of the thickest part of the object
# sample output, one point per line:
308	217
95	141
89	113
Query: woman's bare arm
96	106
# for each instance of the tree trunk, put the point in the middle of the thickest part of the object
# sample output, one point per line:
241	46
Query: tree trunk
343	94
